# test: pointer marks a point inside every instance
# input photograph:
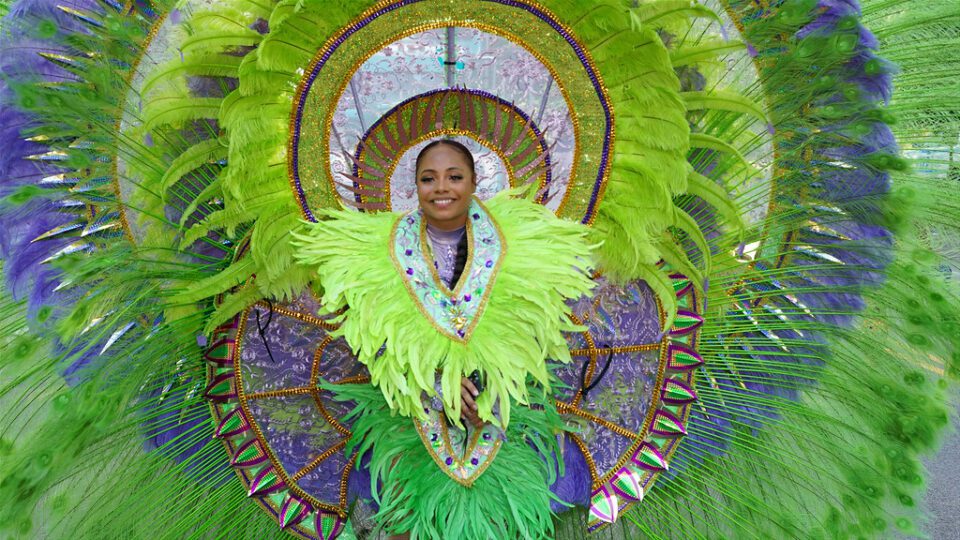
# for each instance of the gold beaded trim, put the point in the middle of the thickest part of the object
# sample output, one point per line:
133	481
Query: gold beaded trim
328	123
615	350
303	317
315	364
314	377
591	346
295	391
618	429
128	80
315	462
357	379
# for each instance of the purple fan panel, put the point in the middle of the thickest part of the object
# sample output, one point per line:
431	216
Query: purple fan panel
294	426
622	384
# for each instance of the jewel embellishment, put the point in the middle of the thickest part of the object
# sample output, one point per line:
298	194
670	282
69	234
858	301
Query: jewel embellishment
461	455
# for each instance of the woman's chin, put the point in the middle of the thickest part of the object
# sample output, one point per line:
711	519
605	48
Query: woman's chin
445	216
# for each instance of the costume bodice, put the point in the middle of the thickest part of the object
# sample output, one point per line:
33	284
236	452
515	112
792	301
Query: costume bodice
443	249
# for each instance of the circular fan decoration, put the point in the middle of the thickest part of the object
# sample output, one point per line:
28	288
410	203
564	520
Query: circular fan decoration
381	173
630	386
736	152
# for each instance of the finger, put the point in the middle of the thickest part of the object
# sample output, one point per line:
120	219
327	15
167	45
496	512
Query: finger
468	384
468	399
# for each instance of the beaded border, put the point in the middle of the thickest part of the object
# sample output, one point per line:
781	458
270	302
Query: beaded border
487	289
448	449
295	122
392	5
592	352
302	92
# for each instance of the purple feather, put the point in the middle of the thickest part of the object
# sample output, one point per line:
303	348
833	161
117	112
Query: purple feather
20	63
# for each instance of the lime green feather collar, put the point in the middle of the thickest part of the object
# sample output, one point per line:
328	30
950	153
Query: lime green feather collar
362	262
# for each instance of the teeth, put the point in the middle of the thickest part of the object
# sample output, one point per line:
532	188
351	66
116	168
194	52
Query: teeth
443	201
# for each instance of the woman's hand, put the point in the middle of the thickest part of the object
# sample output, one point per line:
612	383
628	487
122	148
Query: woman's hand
468	404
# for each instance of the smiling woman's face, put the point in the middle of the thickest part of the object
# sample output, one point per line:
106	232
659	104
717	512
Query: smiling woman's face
445	184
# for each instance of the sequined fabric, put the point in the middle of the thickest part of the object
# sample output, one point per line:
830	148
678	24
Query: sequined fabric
298	430
619	319
298	427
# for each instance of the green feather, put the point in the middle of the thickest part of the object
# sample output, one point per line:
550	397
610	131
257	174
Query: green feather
707	190
720	100
510	499
192	158
702	52
209	66
499	344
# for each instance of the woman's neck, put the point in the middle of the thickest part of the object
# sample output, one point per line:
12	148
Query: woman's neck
441	234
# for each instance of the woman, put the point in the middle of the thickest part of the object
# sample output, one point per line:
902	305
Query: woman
453	289
446	181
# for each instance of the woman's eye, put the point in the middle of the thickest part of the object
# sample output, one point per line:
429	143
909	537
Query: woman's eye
426	179
456	177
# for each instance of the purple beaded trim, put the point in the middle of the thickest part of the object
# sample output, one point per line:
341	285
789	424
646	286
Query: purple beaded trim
481	93
607	135
594	79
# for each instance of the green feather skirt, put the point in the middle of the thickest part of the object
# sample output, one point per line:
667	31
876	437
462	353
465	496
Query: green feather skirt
510	499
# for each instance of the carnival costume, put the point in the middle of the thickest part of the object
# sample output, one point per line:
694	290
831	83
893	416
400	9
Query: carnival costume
707	286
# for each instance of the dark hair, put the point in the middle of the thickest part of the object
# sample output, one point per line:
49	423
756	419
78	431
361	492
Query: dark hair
459	263
452	144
